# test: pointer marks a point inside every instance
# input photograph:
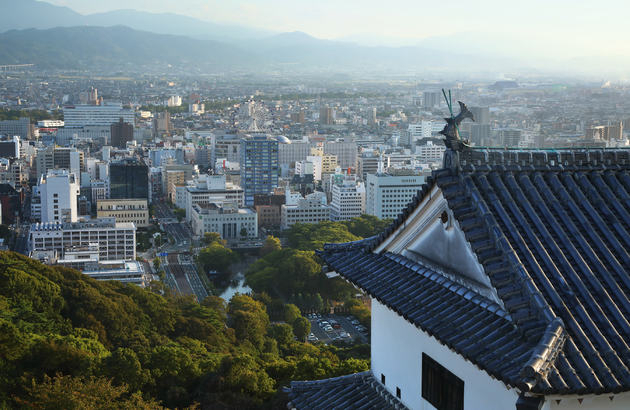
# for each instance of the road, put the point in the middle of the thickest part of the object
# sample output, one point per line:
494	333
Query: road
182	275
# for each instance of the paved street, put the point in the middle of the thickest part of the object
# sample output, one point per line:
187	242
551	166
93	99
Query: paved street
182	275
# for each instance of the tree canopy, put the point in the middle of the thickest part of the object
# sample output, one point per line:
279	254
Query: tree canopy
69	341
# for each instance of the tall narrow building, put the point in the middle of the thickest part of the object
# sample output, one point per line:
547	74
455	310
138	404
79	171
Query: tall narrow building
259	166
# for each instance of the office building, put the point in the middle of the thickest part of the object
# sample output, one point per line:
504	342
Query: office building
481	114
259	166
121	133
509	137
268	209
289	154
162	124
430	152
345	151
605	132
326	115
348	199
480	134
58	193
228	147
10	147
387	195
310	209
368	164
207	189
431	99
59	158
21	128
128	179
11	200
116	240
228	220
96	115
86	259
135	211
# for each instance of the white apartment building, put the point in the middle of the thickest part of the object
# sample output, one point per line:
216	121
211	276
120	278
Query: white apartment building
100	190
207	189
228	221
348	199
99	115
311	209
116	240
135	211
430	152
58	191
387	195
305	168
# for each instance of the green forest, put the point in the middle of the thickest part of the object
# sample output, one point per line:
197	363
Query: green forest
68	341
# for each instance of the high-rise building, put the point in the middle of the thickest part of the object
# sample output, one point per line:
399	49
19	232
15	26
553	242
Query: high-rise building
348	199
59	158
431	99
259	166
96	115
128	179
162	124
418	131
58	192
509	137
368	164
372	116
605	132
22	128
326	115
10	147
387	195
480	134
481	114
121	133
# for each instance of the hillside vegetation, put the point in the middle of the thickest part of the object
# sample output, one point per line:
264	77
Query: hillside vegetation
68	341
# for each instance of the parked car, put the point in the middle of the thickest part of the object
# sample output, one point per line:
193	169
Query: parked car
336	326
328	328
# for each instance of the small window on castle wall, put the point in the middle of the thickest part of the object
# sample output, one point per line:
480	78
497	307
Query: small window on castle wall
382	378
444	217
398	392
440	387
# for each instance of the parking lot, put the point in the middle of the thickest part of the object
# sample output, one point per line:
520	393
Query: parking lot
330	328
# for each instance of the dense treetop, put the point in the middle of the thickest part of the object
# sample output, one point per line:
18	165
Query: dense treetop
67	340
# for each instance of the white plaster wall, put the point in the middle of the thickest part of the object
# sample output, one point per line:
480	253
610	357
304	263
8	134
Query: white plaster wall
397	348
592	402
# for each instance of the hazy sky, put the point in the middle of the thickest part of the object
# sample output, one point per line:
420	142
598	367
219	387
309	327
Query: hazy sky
578	26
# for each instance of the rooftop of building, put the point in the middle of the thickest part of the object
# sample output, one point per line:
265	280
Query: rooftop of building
551	230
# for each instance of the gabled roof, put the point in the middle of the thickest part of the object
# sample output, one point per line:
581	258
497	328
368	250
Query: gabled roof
355	391
552	232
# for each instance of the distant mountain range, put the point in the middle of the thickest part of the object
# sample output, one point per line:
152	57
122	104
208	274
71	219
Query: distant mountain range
119	46
24	14
53	36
